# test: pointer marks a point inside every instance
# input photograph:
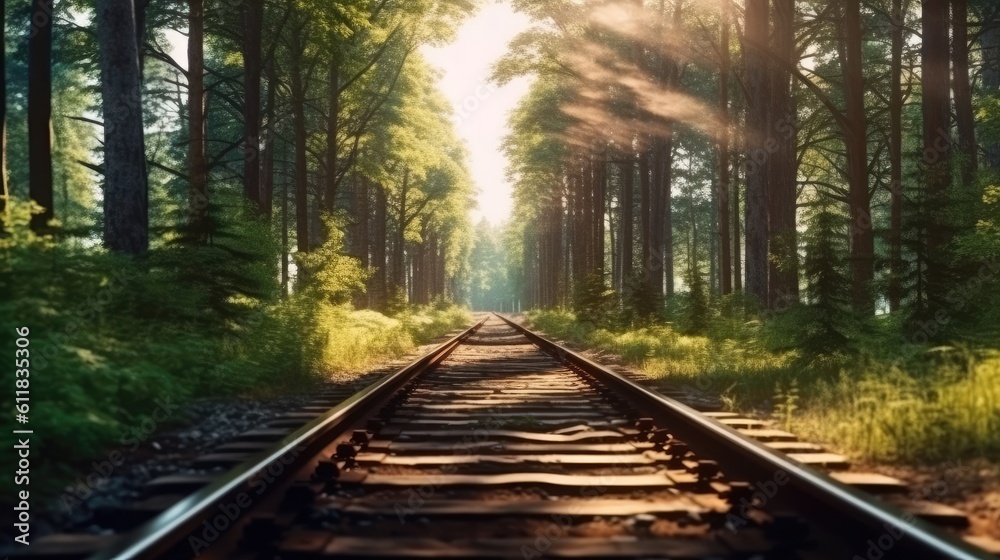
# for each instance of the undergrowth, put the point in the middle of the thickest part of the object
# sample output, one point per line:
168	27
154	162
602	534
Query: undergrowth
881	401
111	338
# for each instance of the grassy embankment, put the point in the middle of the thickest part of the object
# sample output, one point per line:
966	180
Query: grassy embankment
879	402
114	342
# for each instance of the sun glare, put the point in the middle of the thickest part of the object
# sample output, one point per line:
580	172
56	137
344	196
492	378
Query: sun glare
480	107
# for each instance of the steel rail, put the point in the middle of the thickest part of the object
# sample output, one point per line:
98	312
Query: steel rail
165	532
823	495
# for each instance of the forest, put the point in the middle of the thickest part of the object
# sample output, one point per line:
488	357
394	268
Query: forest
791	204
200	196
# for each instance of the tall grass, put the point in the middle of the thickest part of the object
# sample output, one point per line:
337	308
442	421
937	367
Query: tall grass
356	339
924	407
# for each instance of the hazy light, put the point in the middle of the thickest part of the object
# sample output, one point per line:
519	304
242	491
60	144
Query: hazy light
480	107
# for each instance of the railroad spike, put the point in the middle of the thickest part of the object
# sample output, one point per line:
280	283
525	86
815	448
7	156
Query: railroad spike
645	424
360	437
326	470
346	451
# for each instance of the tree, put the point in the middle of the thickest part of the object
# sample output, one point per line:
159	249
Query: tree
757	121
253	21
197	164
936	110
125	182
40	112
896	158
962	89
4	188
856	142
782	168
725	262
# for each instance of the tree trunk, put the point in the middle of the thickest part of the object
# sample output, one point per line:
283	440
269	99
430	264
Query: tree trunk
782	169
380	237
856	141
627	215
330	194
896	160
963	92
126	226
737	228
40	112
935	106
758	121
399	247
266	196
360	241
666	206
301	164
644	213
4	188
253	21
284	224
989	40
600	192
725	271
197	172
140	34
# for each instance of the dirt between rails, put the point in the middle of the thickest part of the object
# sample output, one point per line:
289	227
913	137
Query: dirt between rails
204	424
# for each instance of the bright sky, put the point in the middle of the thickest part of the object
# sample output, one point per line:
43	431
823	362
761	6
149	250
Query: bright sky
480	107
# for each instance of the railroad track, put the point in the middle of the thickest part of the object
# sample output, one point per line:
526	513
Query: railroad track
501	444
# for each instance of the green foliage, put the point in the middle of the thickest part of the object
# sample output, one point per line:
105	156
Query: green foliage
334	276
492	287
110	335
640	304
593	301
928	404
699	311
786	403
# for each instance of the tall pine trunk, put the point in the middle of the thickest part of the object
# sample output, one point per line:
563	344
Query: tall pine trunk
126	226
399	244
266	196
758	122
253	24
298	101
40	112
627	215
197	167
935	106
285	249
856	140
962	89
896	160
380	237
4	189
782	169
725	262
990	42
330	191
360	240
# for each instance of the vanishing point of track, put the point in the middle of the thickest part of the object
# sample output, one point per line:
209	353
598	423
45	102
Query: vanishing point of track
500	444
